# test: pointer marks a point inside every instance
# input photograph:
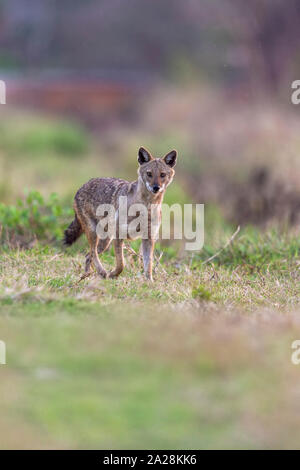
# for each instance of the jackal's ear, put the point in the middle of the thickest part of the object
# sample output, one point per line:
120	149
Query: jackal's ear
144	156
170	158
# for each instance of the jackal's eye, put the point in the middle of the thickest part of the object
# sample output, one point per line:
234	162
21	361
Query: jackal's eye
162	175
149	174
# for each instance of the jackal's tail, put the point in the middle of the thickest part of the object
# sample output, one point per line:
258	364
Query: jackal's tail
73	232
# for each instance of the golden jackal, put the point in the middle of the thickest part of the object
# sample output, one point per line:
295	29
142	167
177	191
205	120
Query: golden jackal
154	175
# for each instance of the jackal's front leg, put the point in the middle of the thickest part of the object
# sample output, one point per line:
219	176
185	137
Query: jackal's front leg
148	247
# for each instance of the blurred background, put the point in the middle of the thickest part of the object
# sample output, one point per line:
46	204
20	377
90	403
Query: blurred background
201	358
88	82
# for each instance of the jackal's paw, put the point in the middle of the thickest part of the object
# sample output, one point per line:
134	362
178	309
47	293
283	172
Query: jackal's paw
113	274
148	278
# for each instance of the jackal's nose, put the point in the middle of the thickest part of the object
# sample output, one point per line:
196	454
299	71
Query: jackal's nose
156	188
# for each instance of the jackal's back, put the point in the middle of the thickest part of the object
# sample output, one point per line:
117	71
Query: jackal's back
87	199
99	191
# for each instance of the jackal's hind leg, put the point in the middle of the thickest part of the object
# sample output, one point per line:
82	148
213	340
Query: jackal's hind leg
88	263
101	247
120	263
93	242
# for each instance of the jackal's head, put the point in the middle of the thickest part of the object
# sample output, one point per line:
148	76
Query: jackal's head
156	173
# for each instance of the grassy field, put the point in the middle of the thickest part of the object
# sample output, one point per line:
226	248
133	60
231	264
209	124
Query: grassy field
90	376
201	358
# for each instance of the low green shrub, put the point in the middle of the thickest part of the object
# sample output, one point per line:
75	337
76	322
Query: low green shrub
33	218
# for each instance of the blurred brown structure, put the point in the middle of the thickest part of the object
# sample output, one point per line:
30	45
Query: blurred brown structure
94	100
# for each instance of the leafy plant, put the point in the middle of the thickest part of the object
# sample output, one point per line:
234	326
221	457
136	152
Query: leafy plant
32	218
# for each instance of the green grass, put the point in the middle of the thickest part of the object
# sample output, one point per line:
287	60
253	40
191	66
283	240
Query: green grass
47	155
125	364
36	137
257	251
254	270
140	377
